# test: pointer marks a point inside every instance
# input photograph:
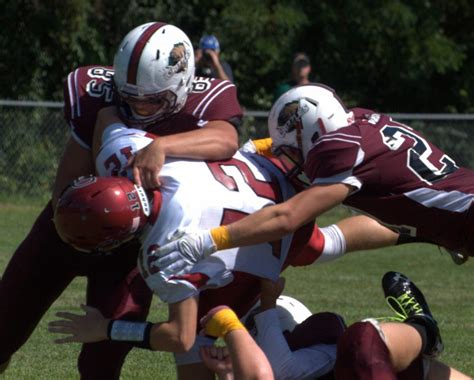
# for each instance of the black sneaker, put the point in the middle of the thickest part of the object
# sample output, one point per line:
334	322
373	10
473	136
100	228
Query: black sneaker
409	303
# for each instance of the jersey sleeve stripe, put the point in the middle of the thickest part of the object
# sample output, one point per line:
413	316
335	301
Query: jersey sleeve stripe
71	94
211	99
320	141
76	89
454	201
338	134
344	177
71	81
207	96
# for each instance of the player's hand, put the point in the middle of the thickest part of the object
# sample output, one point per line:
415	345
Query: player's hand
270	291
187	247
147	165
217	359
88	328
213	57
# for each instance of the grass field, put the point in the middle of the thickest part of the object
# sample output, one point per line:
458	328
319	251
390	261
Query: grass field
350	286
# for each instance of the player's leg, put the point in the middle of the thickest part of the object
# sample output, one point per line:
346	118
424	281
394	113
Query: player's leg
118	290
409	303
362	232
36	275
362	354
403	342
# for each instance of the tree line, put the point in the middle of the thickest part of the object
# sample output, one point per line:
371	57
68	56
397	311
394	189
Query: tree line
394	56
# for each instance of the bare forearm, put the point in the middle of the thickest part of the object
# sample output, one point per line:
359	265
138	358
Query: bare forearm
211	142
169	337
266	225
274	222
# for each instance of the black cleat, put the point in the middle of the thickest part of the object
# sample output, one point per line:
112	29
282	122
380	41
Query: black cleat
409	303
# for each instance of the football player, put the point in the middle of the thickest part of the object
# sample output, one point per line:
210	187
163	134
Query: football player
151	85
302	345
362	159
99	213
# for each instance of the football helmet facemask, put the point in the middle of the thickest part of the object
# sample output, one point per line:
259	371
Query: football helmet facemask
97	214
154	71
299	117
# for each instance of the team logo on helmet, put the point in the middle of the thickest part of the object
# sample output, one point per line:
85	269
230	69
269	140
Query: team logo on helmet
178	58
289	117
83	182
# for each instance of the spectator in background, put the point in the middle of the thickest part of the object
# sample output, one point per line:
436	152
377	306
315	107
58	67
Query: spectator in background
300	70
208	62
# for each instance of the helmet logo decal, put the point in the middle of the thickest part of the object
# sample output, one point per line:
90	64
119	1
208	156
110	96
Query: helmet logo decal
178	58
287	118
83	182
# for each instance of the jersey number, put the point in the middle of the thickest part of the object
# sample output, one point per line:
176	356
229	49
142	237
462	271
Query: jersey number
230	174
418	160
114	165
102	88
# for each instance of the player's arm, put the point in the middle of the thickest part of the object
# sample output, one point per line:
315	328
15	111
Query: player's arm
105	117
248	360
175	335
266	225
274	222
217	140
75	162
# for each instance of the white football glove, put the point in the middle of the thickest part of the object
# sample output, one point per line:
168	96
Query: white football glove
186	248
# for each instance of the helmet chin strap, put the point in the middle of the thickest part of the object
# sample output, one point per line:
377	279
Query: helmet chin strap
145	203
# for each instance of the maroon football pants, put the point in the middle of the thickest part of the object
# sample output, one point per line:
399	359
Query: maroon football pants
39	271
363	355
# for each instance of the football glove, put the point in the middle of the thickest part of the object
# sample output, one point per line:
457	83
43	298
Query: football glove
185	247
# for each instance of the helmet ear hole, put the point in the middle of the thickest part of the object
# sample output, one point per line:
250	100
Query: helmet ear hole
314	137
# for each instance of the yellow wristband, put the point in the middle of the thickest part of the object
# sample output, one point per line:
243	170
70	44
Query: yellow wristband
264	146
221	237
222	323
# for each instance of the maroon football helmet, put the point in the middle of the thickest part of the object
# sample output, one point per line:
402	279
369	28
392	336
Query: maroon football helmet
100	213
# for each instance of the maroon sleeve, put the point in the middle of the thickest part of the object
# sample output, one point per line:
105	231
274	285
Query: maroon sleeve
222	104
86	90
331	156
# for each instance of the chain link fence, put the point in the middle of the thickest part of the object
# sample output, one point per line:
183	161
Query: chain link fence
33	136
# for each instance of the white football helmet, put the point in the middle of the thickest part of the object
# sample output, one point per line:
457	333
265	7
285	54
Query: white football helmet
291	312
300	116
153	65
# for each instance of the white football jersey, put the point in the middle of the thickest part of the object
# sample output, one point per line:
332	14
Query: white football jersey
201	195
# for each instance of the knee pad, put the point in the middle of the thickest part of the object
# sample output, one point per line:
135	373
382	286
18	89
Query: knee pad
363	354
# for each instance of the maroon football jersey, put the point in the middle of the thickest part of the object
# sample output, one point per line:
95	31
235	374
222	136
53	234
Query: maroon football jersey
88	89
400	178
